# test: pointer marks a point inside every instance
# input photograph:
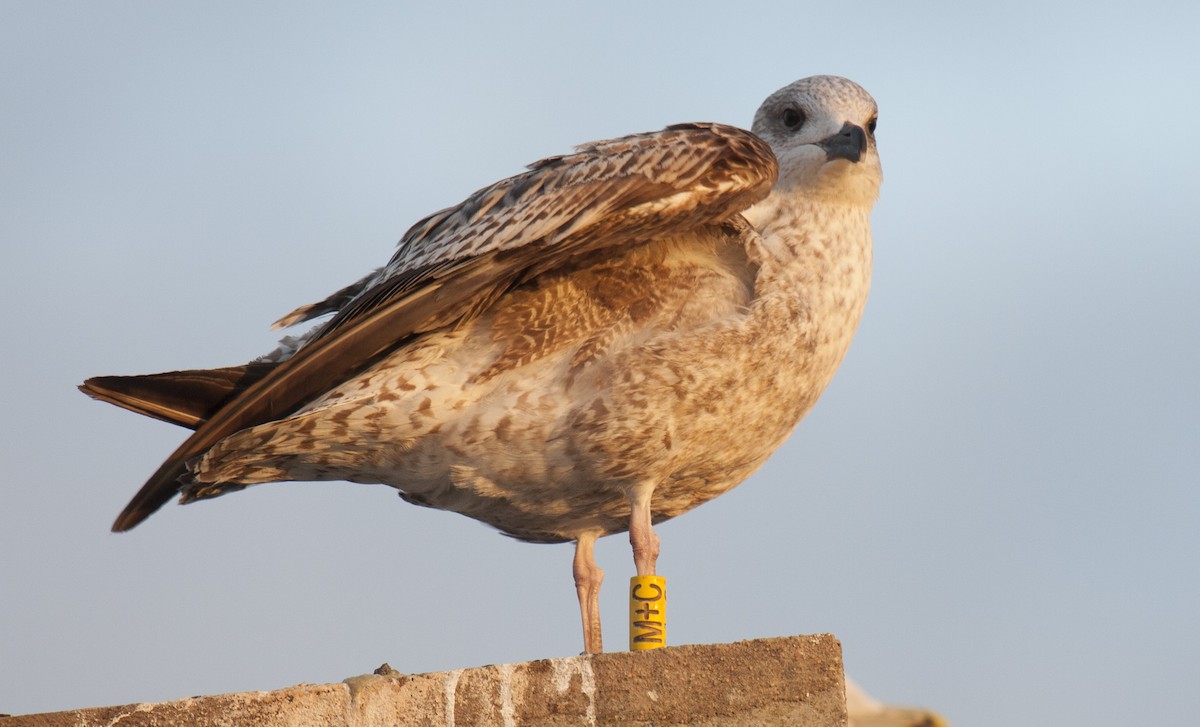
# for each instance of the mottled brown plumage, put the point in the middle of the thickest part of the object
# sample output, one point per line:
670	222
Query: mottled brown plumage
609	339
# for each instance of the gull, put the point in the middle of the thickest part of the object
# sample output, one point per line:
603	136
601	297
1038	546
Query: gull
598	344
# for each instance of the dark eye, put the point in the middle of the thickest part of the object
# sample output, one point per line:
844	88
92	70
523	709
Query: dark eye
872	123
793	118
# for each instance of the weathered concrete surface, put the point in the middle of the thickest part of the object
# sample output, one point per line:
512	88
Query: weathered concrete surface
793	680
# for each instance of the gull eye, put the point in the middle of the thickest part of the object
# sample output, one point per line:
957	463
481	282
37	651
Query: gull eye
793	118
872	123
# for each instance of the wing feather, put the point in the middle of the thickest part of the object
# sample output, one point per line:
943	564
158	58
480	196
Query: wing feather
456	262
606	193
332	304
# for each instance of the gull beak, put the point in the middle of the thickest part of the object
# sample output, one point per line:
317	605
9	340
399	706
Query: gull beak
849	143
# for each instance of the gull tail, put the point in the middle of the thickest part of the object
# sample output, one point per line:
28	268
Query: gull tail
186	398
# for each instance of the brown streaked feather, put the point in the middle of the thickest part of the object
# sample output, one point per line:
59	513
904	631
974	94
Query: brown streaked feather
605	193
186	398
694	172
332	304
456	262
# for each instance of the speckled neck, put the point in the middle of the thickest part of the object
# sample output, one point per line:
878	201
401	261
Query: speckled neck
816	261
822	247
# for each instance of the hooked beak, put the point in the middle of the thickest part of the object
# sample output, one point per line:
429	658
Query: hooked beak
849	143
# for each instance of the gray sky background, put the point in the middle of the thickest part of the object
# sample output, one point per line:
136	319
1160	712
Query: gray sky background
995	506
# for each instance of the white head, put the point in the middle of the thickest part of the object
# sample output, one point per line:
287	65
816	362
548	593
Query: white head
822	130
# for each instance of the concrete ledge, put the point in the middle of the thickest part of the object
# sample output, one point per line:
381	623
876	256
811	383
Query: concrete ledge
793	680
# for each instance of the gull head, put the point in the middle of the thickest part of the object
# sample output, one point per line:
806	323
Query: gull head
822	130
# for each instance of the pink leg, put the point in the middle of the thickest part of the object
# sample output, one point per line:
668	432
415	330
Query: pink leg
588	577
641	532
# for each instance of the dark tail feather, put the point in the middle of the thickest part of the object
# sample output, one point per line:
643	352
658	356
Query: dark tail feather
186	398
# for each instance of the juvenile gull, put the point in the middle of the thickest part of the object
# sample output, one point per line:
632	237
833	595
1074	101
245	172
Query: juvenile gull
601	343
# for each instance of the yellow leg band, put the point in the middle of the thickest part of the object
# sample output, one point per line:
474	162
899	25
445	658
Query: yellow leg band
647	612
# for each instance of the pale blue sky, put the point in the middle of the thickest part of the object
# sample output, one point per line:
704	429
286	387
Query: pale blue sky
995	506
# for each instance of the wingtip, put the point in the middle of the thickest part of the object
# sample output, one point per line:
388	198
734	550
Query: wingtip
148	500
127	520
132	516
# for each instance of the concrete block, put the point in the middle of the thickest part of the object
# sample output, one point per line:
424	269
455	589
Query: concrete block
795	681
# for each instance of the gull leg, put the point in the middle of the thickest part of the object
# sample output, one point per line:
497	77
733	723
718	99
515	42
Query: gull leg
588	577
641	532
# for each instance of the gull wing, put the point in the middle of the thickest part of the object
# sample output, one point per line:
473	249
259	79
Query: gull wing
453	264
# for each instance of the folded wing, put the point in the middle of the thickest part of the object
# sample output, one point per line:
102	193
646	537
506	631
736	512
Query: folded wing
456	262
